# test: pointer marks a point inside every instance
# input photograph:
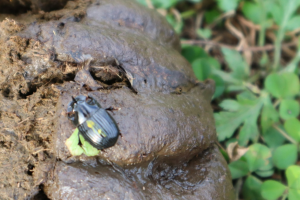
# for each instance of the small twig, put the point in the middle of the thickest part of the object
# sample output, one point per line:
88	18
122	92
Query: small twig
40	151
284	134
221	17
23	120
149	4
176	13
220	146
252	88
248	23
242	41
199	20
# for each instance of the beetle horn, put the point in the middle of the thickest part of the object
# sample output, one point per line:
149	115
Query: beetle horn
74	99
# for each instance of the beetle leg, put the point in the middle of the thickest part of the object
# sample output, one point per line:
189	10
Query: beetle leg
79	141
121	135
112	108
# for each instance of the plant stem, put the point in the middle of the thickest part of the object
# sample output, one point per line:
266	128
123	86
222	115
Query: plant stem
284	196
277	52
238	187
284	134
277	102
262	32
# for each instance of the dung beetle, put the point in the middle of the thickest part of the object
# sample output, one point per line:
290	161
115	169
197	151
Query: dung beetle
93	122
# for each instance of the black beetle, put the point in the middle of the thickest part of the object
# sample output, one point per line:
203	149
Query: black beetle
93	122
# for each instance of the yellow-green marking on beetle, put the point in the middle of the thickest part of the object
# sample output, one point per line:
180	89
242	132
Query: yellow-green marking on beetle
91	125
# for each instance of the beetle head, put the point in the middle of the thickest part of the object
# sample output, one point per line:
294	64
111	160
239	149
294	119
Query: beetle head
81	108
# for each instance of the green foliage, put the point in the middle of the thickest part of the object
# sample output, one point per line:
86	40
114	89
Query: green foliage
257	159
204	66
247	113
263	117
228	5
238	66
285	155
211	15
269	115
76	150
273	138
177	25
282	85
259	106
288	109
292	126
238	169
272	190
251	188
293	178
204	33
253	11
160	4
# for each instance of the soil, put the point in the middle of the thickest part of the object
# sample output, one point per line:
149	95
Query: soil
125	56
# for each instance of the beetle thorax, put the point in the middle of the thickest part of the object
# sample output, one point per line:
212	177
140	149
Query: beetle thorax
84	111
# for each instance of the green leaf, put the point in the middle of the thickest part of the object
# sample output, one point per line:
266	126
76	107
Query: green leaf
88	149
288	9
238	169
289	109
201	68
266	170
230	105
265	173
227	5
227	77
143	2
72	144
269	115
166	4
248	112
277	13
257	156
282	85
211	15
285	155
273	138
225	155
248	131
236	63
293	23
76	150
192	53
219	87
272	190
253	11
251	189
204	33
293	178
195	1
292	126
177	25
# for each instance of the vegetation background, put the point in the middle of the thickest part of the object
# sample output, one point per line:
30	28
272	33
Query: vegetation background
251	49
